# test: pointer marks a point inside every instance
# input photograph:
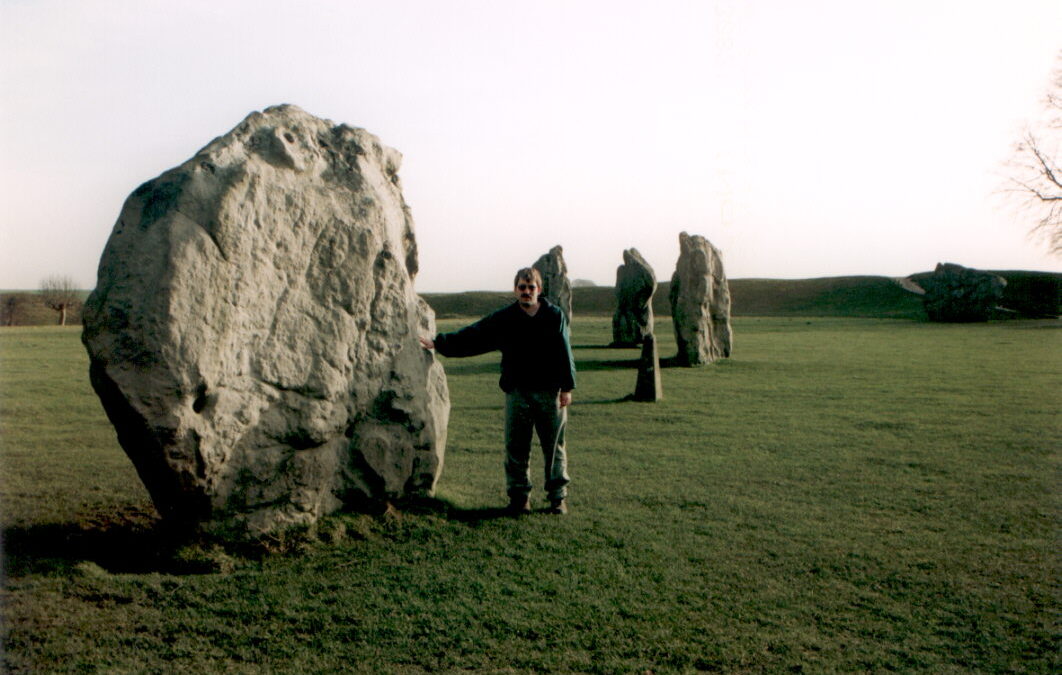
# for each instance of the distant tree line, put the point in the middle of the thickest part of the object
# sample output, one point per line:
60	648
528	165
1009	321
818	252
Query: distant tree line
58	301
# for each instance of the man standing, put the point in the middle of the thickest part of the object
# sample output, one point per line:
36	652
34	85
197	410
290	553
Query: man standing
537	376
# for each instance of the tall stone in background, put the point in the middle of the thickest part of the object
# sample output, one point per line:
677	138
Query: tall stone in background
700	303
556	285
253	332
635	285
960	294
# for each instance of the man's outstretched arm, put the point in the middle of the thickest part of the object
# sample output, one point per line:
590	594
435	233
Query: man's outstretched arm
478	338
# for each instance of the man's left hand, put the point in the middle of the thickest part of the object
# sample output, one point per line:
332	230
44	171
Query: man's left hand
565	399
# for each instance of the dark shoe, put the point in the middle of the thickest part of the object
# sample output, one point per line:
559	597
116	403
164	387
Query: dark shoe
558	507
519	506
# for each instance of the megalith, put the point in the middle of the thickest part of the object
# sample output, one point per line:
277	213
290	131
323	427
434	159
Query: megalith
954	293
555	283
648	387
700	303
635	285
253	331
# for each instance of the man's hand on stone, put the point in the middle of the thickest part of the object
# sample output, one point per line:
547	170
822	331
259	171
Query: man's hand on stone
565	399
427	343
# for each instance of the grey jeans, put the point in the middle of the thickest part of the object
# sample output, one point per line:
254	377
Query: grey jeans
538	411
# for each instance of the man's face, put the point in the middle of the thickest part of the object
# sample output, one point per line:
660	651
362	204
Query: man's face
526	292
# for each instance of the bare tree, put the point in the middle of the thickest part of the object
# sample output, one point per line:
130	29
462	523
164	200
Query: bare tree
61	294
1035	172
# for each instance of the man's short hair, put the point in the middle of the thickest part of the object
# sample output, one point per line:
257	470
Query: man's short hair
528	274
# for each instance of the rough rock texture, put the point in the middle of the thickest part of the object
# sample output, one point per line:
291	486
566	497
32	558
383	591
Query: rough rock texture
555	283
253	333
954	293
648	387
635	285
700	303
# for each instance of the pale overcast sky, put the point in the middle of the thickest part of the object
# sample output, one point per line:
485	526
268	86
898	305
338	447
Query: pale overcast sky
804	139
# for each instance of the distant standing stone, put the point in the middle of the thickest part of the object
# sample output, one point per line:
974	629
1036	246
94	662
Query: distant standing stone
556	285
960	294
635	285
253	332
648	387
700	303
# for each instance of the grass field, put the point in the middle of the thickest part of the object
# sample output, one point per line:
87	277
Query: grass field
841	495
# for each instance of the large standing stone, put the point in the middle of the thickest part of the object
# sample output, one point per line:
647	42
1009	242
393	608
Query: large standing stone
253	332
954	293
635	285
700	303
555	283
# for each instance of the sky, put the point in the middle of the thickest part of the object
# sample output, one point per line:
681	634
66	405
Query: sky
803	139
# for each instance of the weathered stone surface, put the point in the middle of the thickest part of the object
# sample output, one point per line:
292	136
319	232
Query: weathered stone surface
954	293
700	303
648	387
253	332
635	285
555	283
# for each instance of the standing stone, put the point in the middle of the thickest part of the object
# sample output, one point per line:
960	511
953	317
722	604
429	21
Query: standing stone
954	293
700	303
635	285
555	284
253	332
648	386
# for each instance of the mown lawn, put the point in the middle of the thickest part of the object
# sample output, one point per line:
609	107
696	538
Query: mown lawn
841	495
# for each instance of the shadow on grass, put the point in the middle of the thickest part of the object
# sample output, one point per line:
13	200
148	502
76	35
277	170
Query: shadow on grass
619	364
455	367
603	401
135	542
130	542
624	364
606	346
580	366
443	509
500	408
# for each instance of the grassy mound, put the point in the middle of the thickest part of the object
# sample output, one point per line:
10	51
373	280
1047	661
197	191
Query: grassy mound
872	297
25	308
1032	294
868	297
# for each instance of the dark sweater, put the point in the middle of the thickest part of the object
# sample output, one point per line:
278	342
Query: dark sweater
536	350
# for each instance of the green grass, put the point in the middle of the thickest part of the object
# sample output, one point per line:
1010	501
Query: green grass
841	495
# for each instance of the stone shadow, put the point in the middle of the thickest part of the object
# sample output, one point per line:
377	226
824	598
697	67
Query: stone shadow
121	546
444	509
610	364
624	364
149	545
